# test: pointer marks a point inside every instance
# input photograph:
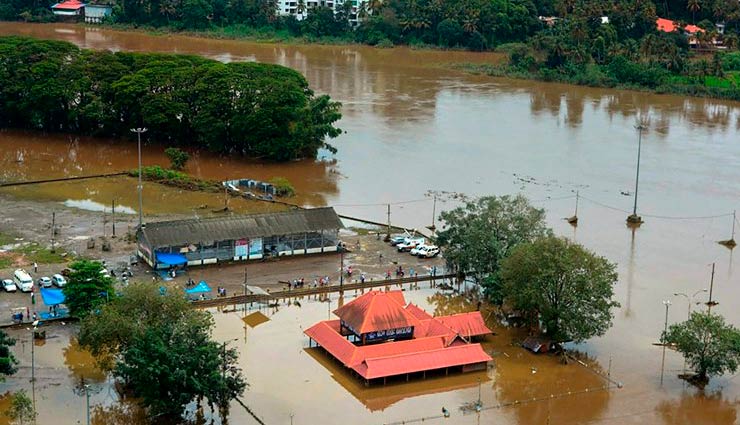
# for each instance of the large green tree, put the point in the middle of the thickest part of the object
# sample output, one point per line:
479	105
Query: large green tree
561	286
476	237
88	288
162	349
710	346
7	360
21	409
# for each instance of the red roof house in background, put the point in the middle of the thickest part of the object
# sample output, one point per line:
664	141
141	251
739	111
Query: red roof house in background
666	25
379	336
69	8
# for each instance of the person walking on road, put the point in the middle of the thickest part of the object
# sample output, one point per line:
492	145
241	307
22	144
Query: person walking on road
35	267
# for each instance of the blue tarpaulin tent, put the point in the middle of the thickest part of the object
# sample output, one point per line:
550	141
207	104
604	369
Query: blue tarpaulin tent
52	296
171	259
200	288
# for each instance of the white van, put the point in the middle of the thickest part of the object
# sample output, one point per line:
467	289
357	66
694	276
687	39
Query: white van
23	280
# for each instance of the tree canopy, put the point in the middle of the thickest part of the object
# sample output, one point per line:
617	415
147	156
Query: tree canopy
88	288
561	286
162	349
476	237
7	360
255	109
710	346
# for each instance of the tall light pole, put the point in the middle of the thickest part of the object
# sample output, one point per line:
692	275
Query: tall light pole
690	300
666	303
341	267
634	218
138	132
87	402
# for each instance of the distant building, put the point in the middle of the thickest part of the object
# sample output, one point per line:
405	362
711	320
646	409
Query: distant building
240	237
291	7
96	13
666	25
69	10
379	336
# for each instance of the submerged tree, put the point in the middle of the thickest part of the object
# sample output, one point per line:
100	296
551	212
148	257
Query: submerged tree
162	350
477	236
178	158
21	409
88	288
710	346
562	286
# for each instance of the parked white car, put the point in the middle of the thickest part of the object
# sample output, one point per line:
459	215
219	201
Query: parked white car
59	280
430	252
23	280
44	282
418	249
9	285
410	244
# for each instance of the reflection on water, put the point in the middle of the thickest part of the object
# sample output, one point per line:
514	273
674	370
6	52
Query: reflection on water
90	205
699	409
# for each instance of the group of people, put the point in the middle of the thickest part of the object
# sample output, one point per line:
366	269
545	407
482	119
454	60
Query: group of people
221	291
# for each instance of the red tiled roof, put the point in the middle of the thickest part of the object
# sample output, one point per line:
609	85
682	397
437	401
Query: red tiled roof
666	25
376	311
417	312
327	335
466	324
428	360
395	348
69	5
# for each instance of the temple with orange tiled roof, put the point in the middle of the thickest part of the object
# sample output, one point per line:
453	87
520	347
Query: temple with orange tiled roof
378	336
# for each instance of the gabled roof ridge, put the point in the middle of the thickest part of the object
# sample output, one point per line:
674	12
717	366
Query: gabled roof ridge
434	350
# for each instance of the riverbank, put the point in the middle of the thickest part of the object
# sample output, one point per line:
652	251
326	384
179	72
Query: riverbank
595	76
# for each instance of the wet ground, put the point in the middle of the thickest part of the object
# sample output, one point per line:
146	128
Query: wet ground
413	127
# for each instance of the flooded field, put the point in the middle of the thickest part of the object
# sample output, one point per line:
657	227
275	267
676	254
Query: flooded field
414	126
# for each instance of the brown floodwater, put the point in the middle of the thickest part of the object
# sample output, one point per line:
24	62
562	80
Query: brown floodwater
413	126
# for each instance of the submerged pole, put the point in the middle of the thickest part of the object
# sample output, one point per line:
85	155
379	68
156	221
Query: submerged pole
634	218
711	303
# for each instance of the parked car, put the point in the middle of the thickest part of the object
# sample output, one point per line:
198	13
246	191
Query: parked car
430	252
418	249
395	240
409	244
44	282
23	280
59	280
9	285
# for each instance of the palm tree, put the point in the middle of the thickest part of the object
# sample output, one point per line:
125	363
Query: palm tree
374	6
362	12
301	8
470	22
693	6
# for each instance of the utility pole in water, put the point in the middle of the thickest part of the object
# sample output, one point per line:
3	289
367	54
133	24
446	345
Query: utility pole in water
711	303
53	230
634	218
138	132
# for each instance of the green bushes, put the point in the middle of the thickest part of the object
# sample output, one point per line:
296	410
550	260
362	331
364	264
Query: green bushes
283	187
255	109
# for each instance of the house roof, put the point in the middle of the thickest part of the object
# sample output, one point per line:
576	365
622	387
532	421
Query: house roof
417	312
466	324
69	5
667	25
207	230
376	311
428	360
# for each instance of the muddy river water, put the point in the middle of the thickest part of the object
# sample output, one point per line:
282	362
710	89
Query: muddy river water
413	125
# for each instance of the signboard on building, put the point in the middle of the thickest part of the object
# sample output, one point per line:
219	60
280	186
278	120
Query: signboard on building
399	333
254	246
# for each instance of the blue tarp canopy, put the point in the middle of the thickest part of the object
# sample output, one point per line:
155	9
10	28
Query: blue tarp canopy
199	288
171	259
52	296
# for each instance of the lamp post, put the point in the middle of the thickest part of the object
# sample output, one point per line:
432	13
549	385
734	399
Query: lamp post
87	402
690	300
341	267
666	303
138	132
634	218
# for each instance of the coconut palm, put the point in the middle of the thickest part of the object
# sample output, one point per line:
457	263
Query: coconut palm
693	6
362	12
374	6
470	22
301	7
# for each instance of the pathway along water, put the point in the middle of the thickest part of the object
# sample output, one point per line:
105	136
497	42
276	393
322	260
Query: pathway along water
413	126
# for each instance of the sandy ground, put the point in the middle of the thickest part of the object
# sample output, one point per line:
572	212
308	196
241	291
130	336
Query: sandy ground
30	221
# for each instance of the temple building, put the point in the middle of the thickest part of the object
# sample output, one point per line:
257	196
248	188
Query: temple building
379	336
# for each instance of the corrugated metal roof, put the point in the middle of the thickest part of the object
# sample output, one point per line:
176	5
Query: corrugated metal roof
376	311
209	230
428	360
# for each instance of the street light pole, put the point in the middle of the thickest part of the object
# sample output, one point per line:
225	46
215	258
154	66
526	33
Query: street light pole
690	300
87	402
341	268
138	132
667	304
634	218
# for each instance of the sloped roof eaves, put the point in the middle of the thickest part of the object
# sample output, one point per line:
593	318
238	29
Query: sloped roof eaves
181	232
421	361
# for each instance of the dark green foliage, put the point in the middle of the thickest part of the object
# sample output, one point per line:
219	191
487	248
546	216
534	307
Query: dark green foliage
246	108
450	32
479	235
88	289
710	346
283	187
561	286
7	360
162	350
21	408
178	158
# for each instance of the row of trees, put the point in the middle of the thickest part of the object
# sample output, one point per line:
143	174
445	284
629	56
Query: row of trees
256	109
156	344
504	245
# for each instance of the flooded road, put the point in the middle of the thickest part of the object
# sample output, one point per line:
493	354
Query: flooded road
413	126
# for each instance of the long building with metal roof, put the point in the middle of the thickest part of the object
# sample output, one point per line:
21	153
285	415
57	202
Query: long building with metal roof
239	237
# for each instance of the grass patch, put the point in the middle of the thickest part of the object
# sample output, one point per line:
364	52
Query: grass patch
6	261
35	253
174	178
6	239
